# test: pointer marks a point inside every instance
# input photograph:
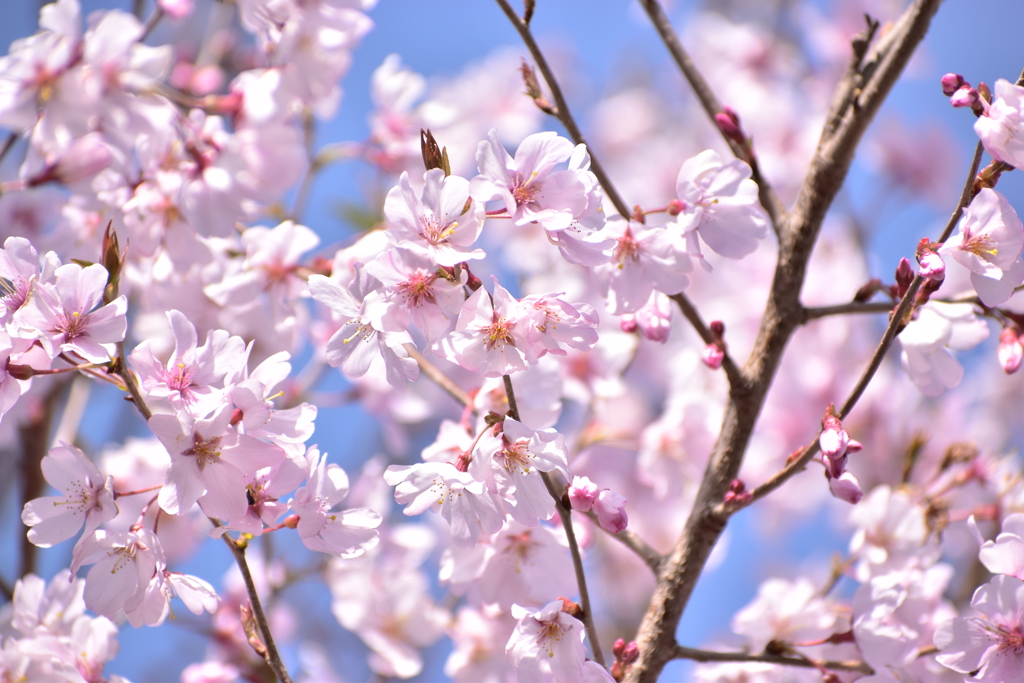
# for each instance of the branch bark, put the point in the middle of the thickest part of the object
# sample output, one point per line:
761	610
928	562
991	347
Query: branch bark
710	656
797	235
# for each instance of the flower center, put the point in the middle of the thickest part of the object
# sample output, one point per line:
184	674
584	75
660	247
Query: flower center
498	334
417	290
72	325
205	451
627	249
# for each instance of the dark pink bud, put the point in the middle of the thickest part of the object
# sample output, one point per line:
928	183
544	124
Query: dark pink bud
628	323
904	276
729	123
676	207
713	356
717	328
951	83
632	652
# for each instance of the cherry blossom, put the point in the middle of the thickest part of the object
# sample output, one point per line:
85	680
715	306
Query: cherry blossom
348	533
989	244
440	225
491	334
998	127
88	498
63	315
720	204
927	339
123	562
989	647
547	645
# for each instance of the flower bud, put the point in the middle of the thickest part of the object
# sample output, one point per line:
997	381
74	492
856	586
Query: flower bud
729	123
676	207
611	511
582	494
712	356
951	83
176	9
932	266
846	487
965	97
904	276
1010	351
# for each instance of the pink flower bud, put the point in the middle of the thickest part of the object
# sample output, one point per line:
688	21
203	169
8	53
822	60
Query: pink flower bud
717	328
654	319
676	207
729	123
628	323
1010	351
951	83
904	276
965	97
846	487
932	266
713	356
582	494
611	511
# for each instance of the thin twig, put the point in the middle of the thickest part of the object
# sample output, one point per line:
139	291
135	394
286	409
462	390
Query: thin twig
6	589
711	656
562	113
566	516
273	657
151	22
769	200
434	373
818	312
8	144
651	557
689	312
131	384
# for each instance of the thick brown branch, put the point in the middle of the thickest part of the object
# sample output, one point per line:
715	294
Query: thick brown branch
769	200
710	656
797	236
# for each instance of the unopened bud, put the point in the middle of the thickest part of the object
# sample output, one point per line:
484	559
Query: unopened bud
951	83
729	123
867	290
964	97
717	328
737	495
236	416
571	608
676	207
932	265
1010	351
712	356
175	9
533	90
904	276
20	371
291	521
846	487
434	156
628	323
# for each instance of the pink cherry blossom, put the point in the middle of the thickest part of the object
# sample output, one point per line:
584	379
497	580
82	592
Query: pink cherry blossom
990	647
355	345
528	185
927	339
124	564
63	315
442	224
88	498
654	319
1004	555
989	244
721	205
547	645
644	259
491	337
348	533
999	126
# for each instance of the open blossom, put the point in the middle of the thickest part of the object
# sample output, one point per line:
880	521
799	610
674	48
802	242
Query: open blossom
927	339
357	342
1005	555
789	611
516	458
555	321
209	462
88	498
189	378
720	204
61	316
989	244
547	645
491	334
528	185
644	259
990	647
999	127
466	504
124	564
442	224
345	533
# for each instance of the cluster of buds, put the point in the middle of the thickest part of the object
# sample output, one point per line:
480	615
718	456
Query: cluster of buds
625	655
737	496
714	353
963	94
836	446
609	506
1011	350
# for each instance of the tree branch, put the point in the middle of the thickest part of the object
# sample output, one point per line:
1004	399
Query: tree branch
566	516
434	373
818	312
710	656
651	557
769	200
272	656
797	236
690	313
